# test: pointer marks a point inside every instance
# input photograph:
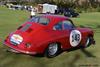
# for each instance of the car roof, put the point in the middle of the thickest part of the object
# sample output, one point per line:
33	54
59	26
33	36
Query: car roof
55	18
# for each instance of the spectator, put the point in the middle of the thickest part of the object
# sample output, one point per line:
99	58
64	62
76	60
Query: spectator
32	13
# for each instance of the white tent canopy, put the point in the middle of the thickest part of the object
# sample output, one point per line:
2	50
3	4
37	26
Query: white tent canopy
49	8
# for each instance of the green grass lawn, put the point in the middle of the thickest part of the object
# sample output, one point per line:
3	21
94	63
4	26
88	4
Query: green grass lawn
11	19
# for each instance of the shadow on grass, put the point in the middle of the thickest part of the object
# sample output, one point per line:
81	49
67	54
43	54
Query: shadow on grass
77	56
87	53
75	59
84	51
71	63
38	55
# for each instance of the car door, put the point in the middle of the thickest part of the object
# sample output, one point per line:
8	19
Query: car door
73	36
67	27
60	34
63	29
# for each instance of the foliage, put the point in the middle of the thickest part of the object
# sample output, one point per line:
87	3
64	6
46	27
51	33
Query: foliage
80	5
98	9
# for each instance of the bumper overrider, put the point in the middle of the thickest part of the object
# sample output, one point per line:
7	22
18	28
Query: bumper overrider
15	49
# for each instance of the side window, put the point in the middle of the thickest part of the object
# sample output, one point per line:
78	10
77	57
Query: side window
43	21
67	25
58	26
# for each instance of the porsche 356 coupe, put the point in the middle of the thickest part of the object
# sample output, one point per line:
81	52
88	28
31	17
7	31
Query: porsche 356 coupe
48	35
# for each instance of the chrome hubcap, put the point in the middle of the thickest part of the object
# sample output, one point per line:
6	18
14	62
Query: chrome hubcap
53	48
87	42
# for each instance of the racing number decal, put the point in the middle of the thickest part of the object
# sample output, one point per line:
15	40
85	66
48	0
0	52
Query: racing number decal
75	38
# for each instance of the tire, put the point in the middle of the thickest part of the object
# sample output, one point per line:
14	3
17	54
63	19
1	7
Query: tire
88	41
52	50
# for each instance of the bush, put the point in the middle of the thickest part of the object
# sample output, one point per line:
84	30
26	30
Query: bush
98	9
79	10
91	9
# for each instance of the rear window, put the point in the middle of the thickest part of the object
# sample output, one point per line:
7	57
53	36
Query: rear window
41	20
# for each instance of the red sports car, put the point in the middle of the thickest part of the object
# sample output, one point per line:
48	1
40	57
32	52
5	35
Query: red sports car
48	35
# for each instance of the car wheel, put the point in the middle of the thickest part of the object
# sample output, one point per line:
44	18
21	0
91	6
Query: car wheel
52	50
88	41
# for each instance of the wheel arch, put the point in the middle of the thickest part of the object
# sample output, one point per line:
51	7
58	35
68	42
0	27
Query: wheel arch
90	35
56	42
52	42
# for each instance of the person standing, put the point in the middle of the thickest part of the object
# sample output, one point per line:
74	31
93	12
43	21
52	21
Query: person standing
32	13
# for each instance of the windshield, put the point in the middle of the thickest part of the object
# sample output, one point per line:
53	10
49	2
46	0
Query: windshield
41	20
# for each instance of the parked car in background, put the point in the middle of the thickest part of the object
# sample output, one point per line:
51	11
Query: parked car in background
68	12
